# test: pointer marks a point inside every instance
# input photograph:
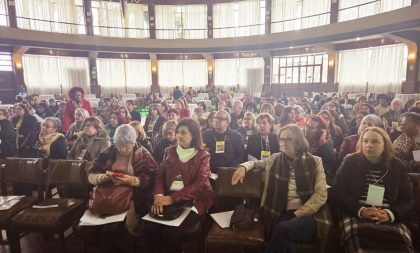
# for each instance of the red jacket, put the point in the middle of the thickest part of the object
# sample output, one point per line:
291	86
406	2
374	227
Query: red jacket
184	113
195	175
68	115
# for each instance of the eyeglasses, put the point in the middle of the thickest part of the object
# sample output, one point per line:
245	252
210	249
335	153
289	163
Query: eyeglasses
87	126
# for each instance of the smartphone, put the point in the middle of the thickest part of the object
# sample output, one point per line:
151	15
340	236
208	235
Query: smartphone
116	174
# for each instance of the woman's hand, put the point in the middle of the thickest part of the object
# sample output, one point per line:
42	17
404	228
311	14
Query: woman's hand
238	175
123	179
375	214
161	201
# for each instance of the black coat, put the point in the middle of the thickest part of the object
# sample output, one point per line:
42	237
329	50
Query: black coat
159	151
234	149
350	182
7	138
256	144
29	130
135	115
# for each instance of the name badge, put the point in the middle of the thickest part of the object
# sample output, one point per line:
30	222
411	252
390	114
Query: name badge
77	134
394	125
177	184
150	128
375	196
248	133
220	147
81	154
265	154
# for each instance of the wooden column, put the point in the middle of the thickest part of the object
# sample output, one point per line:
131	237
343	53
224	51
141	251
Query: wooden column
412	79
95	88
152	20
11	10
266	88
332	57
334	11
87	6
209	21
155	82
210	73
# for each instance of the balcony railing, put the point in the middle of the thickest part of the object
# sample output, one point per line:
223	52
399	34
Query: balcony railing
300	23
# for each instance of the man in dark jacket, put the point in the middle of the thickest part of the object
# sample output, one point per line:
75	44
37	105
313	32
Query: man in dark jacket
225	145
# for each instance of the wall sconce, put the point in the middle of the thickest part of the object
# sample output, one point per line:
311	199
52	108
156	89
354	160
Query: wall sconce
210	69
331	63
412	56
154	69
18	65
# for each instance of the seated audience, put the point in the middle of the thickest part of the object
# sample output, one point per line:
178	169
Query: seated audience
288	208
7	136
316	133
183	177
168	139
409	141
163	109
76	129
142	139
135	115
392	117
360	101
338	117
349	143
42	110
75	100
248	127
27	128
299	116
383	106
114	121
224	144
374	196
181	107
355	122
288	116
91	141
124	115
139	169
335	135
51	143
200	111
153	121
264	143
269	108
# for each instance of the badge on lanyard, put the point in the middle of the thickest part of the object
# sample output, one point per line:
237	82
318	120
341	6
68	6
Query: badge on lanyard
265	154
77	134
248	132
394	125
150	127
220	147
375	196
177	184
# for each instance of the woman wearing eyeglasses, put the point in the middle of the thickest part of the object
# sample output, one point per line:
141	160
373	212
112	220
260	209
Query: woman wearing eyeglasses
91	141
51	143
295	189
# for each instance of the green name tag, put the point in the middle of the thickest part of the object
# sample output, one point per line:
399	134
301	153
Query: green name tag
375	196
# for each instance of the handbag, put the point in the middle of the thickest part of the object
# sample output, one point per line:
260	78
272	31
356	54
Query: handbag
251	187
108	199
242	218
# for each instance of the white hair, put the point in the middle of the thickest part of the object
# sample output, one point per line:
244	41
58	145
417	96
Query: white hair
125	134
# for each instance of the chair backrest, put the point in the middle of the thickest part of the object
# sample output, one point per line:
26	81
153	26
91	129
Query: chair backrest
66	172
23	170
252	186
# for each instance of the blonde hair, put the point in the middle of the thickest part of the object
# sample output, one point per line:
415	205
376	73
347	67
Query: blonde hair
388	153
169	125
139	129
249	115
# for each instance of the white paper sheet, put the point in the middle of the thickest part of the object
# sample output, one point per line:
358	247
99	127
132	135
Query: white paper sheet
7	202
213	176
222	219
173	223
416	155
89	219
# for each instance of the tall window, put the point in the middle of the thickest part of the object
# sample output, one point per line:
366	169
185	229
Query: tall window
5	61
181	21
243	71
4	18
377	69
61	16
288	15
353	9
242	18
116	76
62	72
311	68
109	19
183	73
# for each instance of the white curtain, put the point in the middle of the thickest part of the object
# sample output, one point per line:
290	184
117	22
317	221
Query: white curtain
367	8
223	16
62	72
137	20
249	16
194	17
288	15
353	70
383	69
107	19
230	72
116	76
388	69
50	10
165	22
227	17
183	73
3	12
